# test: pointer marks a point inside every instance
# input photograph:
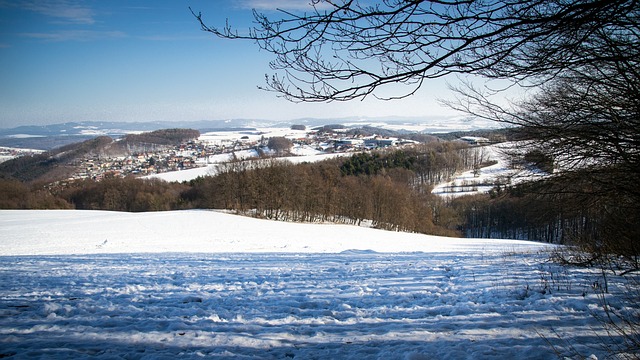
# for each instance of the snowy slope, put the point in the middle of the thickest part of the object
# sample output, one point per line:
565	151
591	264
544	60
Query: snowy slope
194	284
94	232
468	183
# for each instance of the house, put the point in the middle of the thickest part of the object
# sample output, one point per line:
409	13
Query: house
349	143
475	140
377	143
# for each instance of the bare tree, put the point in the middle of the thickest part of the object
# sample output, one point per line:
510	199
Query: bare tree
588	123
349	49
585	121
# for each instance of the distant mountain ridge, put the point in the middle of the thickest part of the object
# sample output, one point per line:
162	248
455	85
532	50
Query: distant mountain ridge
46	137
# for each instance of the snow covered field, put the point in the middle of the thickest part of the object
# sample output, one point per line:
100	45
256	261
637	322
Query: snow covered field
191	284
469	183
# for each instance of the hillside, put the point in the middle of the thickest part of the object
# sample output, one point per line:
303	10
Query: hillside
60	163
52	165
172	136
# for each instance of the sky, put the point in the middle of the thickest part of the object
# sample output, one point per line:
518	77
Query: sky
141	60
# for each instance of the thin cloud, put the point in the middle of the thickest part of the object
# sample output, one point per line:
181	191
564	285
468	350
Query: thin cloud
76	35
173	37
284	4
63	11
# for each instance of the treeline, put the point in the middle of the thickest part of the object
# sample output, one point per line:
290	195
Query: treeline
15	194
571	212
525	217
319	192
124	194
116	194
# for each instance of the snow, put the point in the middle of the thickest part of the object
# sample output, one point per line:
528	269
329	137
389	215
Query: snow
190	284
63	232
184	175
224	137
305	150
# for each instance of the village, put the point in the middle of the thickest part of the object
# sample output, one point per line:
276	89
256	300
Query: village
216	147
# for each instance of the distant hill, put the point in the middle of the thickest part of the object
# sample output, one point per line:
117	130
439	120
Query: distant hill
63	161
51	165
47	137
136	142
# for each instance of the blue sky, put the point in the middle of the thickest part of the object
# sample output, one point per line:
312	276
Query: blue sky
143	60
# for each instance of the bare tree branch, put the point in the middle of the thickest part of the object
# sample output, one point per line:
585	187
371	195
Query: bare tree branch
352	49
